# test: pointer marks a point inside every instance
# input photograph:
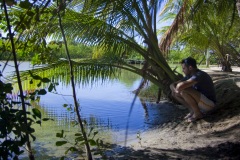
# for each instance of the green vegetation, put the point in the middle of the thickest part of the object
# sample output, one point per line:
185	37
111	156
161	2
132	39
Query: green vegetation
103	34
13	126
204	29
56	51
76	50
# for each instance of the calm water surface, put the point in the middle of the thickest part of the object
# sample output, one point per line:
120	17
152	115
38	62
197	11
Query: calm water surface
105	106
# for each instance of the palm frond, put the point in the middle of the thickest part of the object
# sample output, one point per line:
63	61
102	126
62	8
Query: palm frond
207	19
172	31
84	72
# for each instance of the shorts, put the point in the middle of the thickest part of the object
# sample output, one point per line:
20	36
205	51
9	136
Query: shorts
205	104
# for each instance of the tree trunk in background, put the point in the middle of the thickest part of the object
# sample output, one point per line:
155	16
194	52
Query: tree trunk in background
226	66
238	7
207	59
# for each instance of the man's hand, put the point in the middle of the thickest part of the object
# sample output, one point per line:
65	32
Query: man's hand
173	87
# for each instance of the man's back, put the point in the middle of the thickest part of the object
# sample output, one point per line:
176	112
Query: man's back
204	84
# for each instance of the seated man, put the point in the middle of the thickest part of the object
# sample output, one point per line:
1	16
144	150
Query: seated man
195	91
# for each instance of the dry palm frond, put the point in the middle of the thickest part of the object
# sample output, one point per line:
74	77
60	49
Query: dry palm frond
169	35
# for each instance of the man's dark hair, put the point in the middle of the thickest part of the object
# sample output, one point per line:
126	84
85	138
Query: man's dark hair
190	62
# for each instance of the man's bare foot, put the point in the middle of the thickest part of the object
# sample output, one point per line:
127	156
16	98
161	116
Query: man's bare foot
194	118
189	115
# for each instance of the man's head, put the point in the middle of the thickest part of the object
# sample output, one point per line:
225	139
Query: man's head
189	66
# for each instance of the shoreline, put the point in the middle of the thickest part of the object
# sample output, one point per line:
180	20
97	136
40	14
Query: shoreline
216	136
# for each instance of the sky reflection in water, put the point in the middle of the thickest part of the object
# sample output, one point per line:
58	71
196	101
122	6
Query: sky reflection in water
109	103
105	106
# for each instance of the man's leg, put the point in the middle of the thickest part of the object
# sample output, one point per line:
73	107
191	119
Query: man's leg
206	104
192	97
179	98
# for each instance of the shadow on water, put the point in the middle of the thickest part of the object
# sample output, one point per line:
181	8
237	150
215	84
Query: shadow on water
44	146
105	107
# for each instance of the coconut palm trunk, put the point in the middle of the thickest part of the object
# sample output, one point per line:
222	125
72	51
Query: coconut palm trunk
120	28
199	23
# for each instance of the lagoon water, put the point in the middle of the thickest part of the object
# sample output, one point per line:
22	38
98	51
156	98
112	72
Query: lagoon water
105	106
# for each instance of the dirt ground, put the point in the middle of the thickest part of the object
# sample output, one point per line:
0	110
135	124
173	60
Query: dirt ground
216	136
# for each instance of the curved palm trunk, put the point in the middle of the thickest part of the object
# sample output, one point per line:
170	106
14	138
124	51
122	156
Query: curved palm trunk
143	24
159	66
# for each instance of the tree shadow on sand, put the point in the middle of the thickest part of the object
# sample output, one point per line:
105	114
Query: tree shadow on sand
227	108
228	97
223	151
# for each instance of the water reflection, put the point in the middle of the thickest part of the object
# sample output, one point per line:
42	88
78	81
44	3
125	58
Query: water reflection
107	103
105	106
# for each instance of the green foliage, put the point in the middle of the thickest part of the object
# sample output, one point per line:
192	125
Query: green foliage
178	53
209	26
13	130
131	35
118	29
40	81
110	55
76	50
77	146
5	49
85	72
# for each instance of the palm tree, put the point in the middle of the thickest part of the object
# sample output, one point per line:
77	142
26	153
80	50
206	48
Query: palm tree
118	27
206	25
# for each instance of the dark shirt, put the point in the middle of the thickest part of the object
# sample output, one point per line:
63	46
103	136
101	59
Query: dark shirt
204	84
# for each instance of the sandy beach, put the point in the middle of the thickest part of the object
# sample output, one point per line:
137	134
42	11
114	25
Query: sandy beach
216	136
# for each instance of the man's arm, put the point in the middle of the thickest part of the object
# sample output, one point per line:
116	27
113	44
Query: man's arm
173	86
185	84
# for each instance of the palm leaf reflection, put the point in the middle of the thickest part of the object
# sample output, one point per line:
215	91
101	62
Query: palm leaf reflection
85	73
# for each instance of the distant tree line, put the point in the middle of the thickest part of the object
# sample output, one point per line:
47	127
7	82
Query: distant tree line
55	51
